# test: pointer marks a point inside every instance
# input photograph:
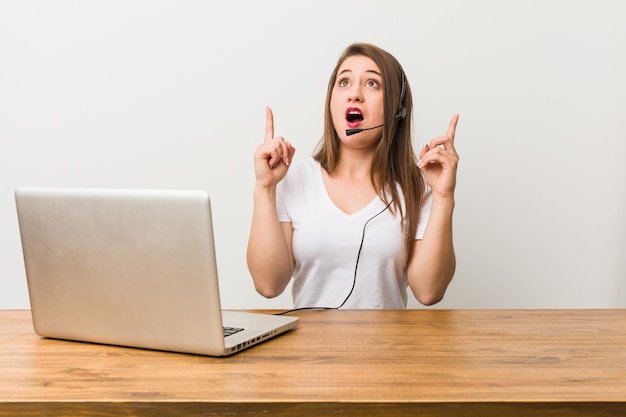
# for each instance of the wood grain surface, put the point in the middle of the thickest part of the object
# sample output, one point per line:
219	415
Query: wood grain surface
347	362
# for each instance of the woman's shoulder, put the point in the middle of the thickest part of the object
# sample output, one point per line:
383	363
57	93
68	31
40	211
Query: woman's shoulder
306	163
303	167
301	175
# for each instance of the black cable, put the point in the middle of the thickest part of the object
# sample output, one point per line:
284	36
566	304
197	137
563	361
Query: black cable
356	266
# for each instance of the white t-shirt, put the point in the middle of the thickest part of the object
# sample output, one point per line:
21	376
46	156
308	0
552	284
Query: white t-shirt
326	243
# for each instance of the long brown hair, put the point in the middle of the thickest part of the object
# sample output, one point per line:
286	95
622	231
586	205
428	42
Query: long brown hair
394	161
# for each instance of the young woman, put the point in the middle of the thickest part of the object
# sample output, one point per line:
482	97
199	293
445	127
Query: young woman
362	219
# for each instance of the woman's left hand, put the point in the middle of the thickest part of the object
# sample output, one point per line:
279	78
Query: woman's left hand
439	161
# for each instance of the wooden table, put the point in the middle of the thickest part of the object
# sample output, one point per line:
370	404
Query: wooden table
393	363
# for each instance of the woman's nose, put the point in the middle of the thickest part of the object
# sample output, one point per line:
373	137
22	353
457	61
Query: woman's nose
355	95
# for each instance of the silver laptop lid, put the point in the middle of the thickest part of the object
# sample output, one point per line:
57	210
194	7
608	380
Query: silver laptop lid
126	267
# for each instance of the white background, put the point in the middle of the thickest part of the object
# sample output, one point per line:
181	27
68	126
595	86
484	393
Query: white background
171	94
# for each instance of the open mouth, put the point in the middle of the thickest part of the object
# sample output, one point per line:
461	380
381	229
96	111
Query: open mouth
354	116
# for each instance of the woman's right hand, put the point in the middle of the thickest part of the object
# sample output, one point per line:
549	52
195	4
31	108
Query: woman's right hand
273	156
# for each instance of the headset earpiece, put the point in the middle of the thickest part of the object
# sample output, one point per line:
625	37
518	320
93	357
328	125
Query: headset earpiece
401	109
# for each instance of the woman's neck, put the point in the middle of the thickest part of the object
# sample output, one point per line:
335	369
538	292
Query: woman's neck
354	164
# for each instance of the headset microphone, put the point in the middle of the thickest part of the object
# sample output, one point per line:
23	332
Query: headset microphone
400	115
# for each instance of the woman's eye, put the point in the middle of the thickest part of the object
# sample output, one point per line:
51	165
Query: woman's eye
372	83
343	82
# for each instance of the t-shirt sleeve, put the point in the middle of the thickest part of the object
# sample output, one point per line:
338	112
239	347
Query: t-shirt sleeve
281	208
424	214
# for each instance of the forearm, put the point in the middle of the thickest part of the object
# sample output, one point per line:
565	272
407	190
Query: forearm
433	263
269	257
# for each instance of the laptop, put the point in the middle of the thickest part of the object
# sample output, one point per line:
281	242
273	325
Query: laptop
132	268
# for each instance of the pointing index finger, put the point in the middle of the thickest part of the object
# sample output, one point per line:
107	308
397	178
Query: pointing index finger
452	127
269	124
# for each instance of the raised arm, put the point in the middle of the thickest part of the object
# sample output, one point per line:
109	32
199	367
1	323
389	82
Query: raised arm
270	259
433	263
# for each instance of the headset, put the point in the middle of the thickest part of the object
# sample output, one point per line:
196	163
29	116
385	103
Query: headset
401	114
